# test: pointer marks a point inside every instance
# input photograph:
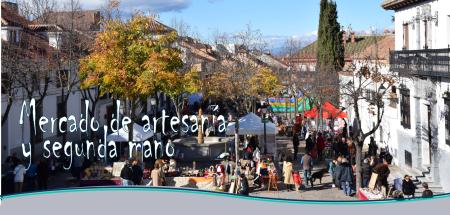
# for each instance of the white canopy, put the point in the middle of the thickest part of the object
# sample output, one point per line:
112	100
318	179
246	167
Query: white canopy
138	134
252	124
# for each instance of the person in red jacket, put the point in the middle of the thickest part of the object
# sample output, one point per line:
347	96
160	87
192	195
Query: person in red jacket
320	145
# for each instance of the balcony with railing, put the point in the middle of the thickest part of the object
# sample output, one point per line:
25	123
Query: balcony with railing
427	62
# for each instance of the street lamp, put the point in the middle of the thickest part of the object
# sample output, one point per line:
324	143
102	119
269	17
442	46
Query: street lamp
153	104
264	120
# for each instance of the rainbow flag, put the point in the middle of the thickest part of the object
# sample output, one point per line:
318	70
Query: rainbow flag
282	105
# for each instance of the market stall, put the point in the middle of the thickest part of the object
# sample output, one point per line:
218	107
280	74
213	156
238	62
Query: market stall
328	111
368	194
251	124
203	183
100	175
138	134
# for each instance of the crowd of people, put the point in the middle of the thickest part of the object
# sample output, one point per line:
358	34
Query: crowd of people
18	179
340	148
336	150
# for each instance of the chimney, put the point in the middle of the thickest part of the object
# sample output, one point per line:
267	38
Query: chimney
344	38
10	6
352	37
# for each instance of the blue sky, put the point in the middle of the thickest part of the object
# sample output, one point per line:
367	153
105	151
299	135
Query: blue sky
277	20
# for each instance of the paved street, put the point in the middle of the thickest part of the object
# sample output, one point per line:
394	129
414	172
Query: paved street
322	191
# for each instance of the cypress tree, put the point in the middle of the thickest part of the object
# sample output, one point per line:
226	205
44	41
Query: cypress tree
330	52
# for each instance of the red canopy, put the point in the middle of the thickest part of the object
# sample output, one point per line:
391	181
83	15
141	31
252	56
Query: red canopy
328	111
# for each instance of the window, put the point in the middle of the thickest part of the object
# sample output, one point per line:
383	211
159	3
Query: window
447	121
405	108
405	36
13	36
408	158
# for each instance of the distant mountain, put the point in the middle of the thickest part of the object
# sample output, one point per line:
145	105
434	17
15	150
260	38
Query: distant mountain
276	44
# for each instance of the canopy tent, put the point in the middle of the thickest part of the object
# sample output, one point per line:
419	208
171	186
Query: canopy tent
138	134
328	111
253	125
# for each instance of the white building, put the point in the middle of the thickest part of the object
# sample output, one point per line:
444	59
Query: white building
417	131
33	43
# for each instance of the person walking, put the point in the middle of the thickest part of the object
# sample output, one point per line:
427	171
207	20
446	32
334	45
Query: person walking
373	148
382	169
337	171
366	172
345	177
309	143
408	187
351	150
42	174
307	164
320	145
332	170
137	173
342	147
127	173
30	178
19	175
157	175
287	173
295	144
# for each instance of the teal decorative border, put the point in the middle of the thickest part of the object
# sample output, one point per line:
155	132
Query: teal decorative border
213	193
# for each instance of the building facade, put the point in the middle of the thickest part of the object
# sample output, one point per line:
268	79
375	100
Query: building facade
416	132
34	65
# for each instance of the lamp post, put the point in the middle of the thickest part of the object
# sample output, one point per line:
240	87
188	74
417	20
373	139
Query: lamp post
153	104
264	120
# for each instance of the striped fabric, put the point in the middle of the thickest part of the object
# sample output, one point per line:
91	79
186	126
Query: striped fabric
282	105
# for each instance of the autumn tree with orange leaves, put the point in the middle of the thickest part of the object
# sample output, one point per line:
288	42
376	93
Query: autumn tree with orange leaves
132	60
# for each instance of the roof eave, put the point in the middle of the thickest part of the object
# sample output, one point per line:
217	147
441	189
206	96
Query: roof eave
398	4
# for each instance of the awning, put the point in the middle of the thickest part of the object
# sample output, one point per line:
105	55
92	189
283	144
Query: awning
138	134
253	125
328	111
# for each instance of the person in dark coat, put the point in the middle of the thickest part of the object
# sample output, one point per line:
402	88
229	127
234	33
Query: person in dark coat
42	174
373	148
366	172
309	143
337	171
243	185
320	144
127	174
335	146
427	193
382	169
137	173
345	177
342	147
408	187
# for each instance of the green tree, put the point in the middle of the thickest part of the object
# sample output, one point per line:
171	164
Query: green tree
330	57
330	52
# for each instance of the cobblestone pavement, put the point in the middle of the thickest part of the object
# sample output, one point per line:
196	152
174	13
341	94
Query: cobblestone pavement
323	191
